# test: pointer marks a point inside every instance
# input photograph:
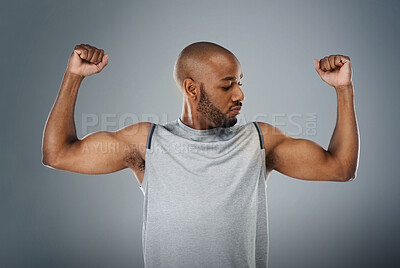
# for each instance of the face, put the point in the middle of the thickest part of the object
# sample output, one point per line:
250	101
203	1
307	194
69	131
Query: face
222	92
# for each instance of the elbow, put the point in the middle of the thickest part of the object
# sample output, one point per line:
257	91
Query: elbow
347	172
351	173
46	162
48	155
348	176
49	160
53	157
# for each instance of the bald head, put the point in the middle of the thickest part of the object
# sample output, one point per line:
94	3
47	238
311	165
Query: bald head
195	61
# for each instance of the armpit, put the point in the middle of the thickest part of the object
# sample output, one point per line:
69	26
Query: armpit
135	161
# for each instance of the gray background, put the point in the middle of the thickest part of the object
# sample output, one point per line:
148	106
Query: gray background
53	218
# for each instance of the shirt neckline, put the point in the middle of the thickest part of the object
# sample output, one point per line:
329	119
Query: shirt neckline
210	131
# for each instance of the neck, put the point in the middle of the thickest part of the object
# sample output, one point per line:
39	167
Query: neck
194	119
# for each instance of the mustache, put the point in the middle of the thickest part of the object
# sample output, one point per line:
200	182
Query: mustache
237	104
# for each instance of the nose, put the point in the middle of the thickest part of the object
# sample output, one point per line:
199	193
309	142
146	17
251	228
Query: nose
238	94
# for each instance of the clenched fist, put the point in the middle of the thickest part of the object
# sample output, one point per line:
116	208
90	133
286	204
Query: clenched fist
334	70
86	60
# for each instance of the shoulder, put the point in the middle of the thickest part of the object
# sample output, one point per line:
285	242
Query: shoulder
272	135
134	137
136	130
270	131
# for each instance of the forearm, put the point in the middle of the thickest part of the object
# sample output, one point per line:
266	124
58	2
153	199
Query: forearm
60	128
344	144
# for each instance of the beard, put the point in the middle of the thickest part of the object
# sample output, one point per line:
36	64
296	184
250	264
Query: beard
212	113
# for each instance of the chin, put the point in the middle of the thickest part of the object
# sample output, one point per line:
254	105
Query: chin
229	123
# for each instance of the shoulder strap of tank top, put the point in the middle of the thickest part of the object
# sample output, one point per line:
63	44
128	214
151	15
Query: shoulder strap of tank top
153	125
260	136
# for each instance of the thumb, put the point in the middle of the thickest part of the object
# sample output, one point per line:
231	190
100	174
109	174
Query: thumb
78	52
317	68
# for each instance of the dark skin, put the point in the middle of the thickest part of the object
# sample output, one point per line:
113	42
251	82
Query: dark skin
224	95
61	147
207	103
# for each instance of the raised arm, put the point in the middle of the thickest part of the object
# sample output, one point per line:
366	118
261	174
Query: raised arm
305	159
97	153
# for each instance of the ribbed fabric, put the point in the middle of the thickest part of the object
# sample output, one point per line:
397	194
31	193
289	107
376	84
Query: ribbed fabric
205	198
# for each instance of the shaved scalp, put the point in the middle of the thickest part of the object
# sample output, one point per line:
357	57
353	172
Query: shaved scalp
194	61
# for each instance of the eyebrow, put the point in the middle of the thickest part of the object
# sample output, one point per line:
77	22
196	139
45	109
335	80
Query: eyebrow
231	78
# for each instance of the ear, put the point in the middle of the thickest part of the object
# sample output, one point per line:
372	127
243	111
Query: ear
190	87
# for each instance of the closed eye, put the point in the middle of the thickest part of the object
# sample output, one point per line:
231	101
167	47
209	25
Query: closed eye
240	84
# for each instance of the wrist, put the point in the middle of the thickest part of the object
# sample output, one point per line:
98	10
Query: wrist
345	94
71	83
344	87
75	76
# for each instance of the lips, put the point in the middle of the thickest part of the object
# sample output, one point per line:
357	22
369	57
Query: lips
236	110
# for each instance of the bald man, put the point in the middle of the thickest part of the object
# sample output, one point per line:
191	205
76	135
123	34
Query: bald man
203	176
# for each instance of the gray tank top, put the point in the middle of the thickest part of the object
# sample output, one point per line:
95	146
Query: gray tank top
205	198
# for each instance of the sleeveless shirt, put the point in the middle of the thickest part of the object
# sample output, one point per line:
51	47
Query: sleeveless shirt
205	197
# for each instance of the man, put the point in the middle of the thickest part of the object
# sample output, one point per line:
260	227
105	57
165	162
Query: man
203	177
